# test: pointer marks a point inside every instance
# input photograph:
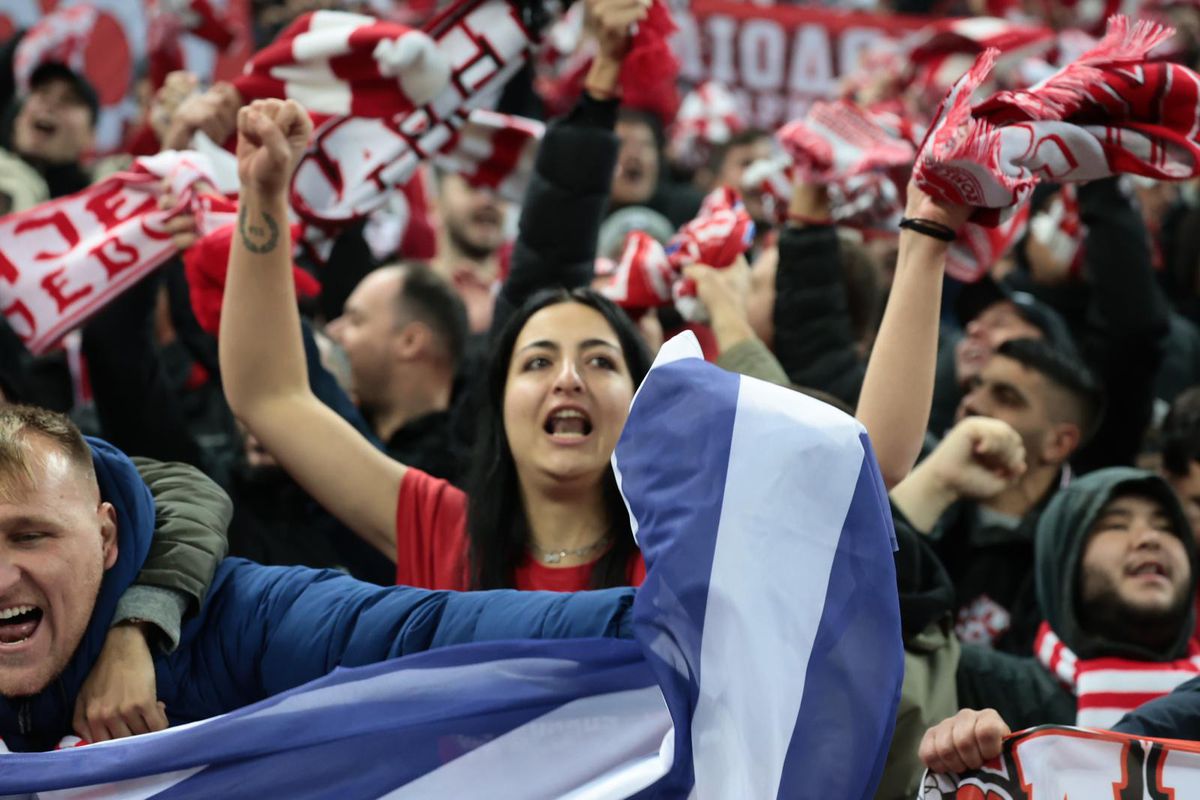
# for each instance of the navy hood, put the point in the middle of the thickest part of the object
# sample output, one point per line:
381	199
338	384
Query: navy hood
39	722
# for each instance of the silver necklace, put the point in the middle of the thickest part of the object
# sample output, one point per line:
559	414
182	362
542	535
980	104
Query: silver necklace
556	556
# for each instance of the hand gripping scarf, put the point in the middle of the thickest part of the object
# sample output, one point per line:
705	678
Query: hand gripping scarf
650	275
1109	112
62	261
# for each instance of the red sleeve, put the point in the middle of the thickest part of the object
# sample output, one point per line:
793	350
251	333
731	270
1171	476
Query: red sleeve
431	533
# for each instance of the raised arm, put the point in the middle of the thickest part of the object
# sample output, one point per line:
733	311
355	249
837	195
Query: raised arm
897	390
572	176
261	352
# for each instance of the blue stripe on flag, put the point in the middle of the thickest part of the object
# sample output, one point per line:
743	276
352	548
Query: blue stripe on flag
427	720
672	459
852	690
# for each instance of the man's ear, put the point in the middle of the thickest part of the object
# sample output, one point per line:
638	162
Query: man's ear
1061	442
414	338
108	533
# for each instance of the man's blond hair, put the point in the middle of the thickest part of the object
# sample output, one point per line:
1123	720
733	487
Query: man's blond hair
17	424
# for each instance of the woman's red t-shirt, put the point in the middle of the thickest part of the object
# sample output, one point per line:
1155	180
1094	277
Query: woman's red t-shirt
431	543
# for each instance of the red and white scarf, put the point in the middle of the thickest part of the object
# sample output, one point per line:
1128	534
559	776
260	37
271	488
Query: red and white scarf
1108	688
708	116
389	97
847	149
62	261
61	37
1109	112
650	275
167	20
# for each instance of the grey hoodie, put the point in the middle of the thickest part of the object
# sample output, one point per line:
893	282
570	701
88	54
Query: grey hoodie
1061	534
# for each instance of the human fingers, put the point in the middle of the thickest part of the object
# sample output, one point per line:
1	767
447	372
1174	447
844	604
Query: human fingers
990	730
963	738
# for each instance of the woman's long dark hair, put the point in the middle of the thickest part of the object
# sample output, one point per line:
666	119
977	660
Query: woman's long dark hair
496	524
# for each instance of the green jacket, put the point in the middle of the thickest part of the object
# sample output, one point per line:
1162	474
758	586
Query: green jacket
191	518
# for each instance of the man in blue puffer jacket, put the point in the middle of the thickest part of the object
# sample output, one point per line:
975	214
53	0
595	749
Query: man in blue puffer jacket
75	527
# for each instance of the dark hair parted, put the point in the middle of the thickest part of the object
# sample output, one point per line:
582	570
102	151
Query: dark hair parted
1068	374
497	528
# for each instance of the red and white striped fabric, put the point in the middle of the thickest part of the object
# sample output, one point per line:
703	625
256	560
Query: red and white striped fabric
62	261
838	139
495	151
1109	112
341	61
341	64
846	148
979	247
1107	688
708	116
199	18
650	275
167	20
61	37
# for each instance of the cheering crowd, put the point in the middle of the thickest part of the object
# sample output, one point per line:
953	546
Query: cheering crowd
333	335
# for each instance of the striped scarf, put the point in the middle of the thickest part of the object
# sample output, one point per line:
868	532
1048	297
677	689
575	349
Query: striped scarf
1108	688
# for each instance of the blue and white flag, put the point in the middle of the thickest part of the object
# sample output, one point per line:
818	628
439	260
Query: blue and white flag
767	660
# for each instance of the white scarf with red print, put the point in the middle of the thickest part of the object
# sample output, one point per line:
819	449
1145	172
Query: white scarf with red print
1109	112
388	97
62	261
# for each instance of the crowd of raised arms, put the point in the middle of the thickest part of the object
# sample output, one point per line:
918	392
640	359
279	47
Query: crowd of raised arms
427	392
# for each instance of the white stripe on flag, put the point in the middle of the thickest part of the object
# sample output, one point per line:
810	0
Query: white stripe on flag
775	547
582	741
132	789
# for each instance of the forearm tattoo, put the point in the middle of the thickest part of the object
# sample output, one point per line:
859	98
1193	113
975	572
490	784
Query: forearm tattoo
257	238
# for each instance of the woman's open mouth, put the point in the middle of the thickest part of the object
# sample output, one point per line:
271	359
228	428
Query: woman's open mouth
568	424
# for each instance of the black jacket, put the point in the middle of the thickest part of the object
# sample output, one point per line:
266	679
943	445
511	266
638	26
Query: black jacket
814	340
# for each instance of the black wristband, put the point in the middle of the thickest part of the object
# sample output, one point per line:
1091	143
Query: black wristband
929	228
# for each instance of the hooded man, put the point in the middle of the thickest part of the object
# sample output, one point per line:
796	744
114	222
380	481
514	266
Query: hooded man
1115	568
75	529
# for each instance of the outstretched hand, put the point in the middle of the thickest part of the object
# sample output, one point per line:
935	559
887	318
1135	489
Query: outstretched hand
272	136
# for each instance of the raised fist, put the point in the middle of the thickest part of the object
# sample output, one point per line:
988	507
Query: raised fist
272	135
979	458
612	21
